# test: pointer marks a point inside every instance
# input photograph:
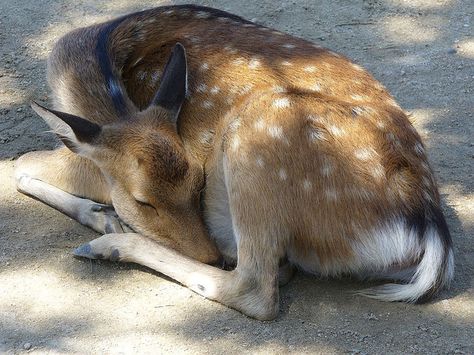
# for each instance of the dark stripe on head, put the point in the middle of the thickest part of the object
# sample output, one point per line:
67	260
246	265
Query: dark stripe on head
104	58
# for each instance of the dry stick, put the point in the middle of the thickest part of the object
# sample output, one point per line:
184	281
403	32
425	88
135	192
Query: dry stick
355	24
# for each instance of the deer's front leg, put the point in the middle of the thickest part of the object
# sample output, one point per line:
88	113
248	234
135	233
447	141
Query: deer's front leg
251	289
101	218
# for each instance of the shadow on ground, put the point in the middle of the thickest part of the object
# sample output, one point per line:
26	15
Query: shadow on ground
59	303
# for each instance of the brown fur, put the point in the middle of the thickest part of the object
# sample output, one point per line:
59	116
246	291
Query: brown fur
312	152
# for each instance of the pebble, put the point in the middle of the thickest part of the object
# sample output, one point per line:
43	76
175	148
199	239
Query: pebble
452	51
27	346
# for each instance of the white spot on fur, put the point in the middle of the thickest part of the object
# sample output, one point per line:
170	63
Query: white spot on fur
334	54
327	168
357	67
204	66
155	76
260	162
278	89
316	135
141	75
277	33
282	174
254	63
289	46
281	102
275	132
307	185
315	87
331	194
201	88
315	119
286	63
223	19
336	131
245	89
380	124
357	110
310	69
214	90
168	12
207	104
365	154
238	61
377	171
358	97
230	49
248	25
234	125
259	124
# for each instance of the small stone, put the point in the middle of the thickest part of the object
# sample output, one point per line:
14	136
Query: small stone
19	109
452	51
372	316
27	346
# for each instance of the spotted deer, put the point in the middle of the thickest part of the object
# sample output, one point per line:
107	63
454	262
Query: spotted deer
247	144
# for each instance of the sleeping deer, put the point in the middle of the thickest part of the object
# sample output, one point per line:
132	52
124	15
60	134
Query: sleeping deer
245	145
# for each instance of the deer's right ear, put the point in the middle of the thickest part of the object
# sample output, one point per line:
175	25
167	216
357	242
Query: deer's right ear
174	82
72	130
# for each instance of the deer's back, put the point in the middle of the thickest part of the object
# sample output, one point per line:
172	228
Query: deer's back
229	58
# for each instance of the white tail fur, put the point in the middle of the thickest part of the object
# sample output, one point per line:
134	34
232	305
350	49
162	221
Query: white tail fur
434	271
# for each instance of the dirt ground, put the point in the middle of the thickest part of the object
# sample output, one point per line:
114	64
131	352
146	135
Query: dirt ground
50	302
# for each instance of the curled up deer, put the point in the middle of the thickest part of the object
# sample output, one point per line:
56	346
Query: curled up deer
192	137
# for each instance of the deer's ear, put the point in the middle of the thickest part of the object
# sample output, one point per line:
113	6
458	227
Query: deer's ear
72	130
174	83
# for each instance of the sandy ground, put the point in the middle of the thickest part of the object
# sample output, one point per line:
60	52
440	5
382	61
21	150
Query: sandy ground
50	302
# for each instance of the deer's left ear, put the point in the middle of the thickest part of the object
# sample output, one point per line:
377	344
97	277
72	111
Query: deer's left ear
174	83
74	131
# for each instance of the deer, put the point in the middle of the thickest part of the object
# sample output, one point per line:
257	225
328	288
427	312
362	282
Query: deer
193	138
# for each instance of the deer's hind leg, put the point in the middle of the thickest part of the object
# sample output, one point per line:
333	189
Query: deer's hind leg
66	171
71	184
